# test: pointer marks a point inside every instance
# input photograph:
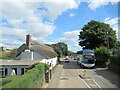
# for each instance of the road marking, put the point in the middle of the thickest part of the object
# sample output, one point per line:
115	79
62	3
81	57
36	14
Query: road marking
97	84
88	85
85	82
92	85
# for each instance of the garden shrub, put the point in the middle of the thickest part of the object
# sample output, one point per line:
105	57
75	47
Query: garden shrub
7	80
102	55
115	63
29	79
4	57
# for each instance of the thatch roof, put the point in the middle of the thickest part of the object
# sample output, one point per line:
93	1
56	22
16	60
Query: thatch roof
42	49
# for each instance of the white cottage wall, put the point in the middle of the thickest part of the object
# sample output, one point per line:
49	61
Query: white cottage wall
51	61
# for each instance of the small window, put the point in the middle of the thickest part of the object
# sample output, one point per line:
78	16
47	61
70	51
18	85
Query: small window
6	71
22	71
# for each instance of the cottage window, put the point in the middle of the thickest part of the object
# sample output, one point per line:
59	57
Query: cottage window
22	71
15	70
6	71
1	72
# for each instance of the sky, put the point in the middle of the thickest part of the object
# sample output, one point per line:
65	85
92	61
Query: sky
52	21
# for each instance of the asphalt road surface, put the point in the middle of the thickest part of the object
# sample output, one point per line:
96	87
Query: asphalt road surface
70	75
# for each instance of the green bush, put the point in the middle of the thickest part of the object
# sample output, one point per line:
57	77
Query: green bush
7	80
29	79
102	55
114	63
4	57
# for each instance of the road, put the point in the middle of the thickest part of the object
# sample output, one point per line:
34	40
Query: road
70	75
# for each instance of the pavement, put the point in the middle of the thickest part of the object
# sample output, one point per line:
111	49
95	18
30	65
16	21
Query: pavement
70	75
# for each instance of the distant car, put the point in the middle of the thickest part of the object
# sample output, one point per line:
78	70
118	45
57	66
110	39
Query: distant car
67	59
75	58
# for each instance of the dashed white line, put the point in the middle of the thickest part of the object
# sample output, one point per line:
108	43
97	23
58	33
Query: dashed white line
97	84
88	85
85	82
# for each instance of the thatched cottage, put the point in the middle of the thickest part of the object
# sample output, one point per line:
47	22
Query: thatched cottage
28	54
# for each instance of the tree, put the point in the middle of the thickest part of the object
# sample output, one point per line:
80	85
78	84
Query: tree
96	34
118	45
60	48
13	53
102	55
79	52
70	53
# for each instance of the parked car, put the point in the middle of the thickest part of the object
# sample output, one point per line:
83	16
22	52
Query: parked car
67	59
75	58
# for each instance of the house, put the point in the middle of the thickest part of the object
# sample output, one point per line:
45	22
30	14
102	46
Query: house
28	54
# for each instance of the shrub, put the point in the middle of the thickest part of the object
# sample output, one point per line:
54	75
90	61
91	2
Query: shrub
114	63
7	80
102	55
29	79
4	57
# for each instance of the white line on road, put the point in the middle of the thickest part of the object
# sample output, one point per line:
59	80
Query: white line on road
97	84
84	81
88	84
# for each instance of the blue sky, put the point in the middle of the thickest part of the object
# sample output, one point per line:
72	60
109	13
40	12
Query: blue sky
52	22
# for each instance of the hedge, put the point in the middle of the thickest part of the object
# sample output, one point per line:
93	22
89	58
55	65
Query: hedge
102	55
7	80
4	57
115	64
29	79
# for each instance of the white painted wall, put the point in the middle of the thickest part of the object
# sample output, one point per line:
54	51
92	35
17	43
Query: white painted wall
52	62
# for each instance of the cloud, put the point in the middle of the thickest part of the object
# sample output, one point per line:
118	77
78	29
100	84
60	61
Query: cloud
93	4
70	37
53	8
74	48
10	43
71	14
114	22
106	19
25	17
14	33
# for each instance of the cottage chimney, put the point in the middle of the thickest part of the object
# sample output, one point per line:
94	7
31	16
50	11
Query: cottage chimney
28	41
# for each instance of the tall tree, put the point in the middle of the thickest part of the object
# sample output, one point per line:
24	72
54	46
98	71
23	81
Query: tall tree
60	48
96	34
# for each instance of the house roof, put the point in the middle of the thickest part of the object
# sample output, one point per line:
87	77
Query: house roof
42	49
18	62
